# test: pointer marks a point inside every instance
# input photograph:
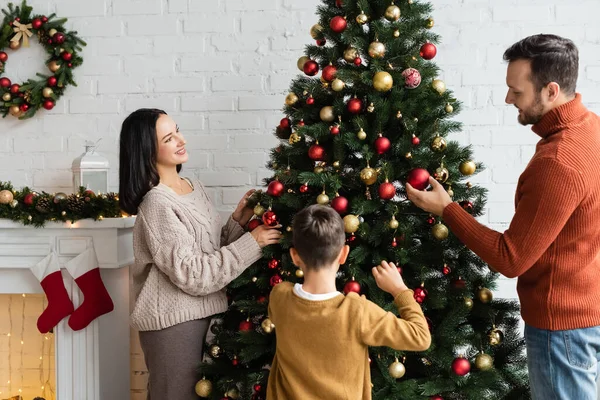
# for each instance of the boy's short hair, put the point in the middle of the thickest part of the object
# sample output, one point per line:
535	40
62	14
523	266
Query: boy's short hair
318	235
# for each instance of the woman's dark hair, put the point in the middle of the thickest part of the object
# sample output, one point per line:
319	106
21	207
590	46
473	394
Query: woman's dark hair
137	158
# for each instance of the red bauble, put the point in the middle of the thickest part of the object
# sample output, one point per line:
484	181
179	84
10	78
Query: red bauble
459	283
253	224
234	362
36	23
461	366
431	220
329	73
335	130
339	3
44	19
436	397
261	299
340	204
412	78
310	101
275	280
394	242
14	88
311	68
382	145
48	104
352	286
304	188
273	263
246	326
52	81
285	123
67	56
387	191
466	205
415	140
446	269
3	57
321	42
4	82
338	24
301	123
270	218
316	152
28	199
58	38
69	65
24	107
257	387
275	188
428	51
355	105
420	294
418	178
357	61
351	238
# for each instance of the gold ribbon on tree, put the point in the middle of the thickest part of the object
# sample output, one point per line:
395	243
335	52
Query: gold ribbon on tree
21	31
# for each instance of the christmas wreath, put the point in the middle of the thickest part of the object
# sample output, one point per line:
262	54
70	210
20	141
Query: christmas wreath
63	47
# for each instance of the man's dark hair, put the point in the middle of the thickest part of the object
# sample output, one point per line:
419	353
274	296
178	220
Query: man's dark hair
553	59
318	235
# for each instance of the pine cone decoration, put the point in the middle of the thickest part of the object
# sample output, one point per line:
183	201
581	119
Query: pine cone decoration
43	205
74	203
27	96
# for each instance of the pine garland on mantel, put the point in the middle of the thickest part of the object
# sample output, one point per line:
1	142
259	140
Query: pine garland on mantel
30	207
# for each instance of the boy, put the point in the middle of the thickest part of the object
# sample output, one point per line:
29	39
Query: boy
323	336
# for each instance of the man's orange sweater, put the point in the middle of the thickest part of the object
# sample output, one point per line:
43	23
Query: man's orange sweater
553	242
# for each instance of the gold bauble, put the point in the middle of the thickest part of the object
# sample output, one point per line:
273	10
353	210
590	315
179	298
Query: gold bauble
408	155
301	61
319	170
429	23
438	144
267	325
15	111
439	231
485	295
233	393
288	229
484	362
467	167
327	114
47	92
316	31
350	54
468	303
351	223
323	199
441	174
397	33
53	66
362	135
392	13
299	273
393	224
495	336
371	108
338	85
294	138
376	50
450	191
291	99
336	164
6	96
449	108
215	351
362	18
259	210
383	81
368	175
14	45
439	86
396	369
52	32
204	388
6	196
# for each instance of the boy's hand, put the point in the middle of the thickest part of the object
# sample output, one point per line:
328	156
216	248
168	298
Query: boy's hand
388	278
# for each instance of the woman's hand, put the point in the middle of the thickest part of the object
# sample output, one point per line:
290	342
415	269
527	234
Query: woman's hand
266	235
243	213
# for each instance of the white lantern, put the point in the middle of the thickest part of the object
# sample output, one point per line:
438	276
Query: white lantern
90	170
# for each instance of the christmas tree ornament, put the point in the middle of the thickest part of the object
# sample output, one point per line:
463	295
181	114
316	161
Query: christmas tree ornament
418	178
285	123
459	283
291	99
15	111
350	54
428	51
316	152
14	45
323	199
371	108
301	61
321	42
352	286
311	68
318	169
485	295
246	326
429	23
267	325
362	18
468	302
382	144
310	100
441	173
235	362
399	114
275	188
495	336
53	66
484	362
368	175
232	394
6	96
383	81
440	231
3	57
28	199
376	49
394	242
269	218
436	397
431	220
275	280
450	191
259	210
396	369
316	31
358	61
304	188
294	138
449	108
439	144
43	205
24	107
339	3
420	294
439	86
337	85
273	263
446	269
387	191
14	89
203	388
461	366
466	205
392	13
334	130
355	105
338	24
340	204
5	82
214	351
6	196
329	73
326	114
393	224
351	223
467	167
415	140
299	273
361	135
397	33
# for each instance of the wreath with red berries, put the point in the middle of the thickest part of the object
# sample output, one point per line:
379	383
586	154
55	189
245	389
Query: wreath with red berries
63	48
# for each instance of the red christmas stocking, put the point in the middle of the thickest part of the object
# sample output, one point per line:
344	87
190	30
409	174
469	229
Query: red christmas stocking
59	306
96	300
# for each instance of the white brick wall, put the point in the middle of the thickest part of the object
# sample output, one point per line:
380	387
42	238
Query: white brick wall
221	68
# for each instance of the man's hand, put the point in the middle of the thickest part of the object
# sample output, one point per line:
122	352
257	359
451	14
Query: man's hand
434	201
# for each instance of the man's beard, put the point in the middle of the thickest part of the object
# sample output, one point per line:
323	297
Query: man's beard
534	114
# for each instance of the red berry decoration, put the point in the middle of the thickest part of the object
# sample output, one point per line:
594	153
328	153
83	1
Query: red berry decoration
44	19
355	105
246	326
58	38
304	188
67	56
418	178
36	23
52	81
329	73
431	220
340	204
415	140
254	224
3	57
275	280
335	130
321	42
387	191
446	269
420	294
14	88
316	152
275	188
357	61
382	145
48	104
24	107
285	123
352	286
4	82
461	366
428	51
311	68
28	199
273	263
467	206
310	101
338	24
270	218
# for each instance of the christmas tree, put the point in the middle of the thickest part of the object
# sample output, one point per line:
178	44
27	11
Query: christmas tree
377	117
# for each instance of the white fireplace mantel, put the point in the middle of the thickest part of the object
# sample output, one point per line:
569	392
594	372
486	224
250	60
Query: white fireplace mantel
91	364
